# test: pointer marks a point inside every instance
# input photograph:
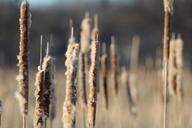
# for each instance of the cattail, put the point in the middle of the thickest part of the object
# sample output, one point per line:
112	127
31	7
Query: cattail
172	69
133	69
82	82
71	64
22	78
46	66
53	98
179	66
85	44
39	111
168	8
92	100
85	34
113	58
104	74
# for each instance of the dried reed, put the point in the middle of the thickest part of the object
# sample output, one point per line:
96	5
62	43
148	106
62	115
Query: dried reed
104	75
113	58
92	100
69	106
22	78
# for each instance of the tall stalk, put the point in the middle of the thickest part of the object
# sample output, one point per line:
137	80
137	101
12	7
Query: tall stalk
167	13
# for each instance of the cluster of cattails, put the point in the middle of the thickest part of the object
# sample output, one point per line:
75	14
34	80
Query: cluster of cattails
44	92
82	66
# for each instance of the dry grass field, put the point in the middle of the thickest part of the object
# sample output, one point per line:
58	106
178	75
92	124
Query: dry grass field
149	108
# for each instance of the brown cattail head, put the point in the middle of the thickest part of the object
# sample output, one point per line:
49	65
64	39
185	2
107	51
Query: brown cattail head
172	68
22	78
104	75
47	63
82	81
179	66
71	94
113	58
85	34
93	82
39	111
53	98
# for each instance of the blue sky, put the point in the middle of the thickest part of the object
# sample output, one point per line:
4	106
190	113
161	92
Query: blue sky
50	2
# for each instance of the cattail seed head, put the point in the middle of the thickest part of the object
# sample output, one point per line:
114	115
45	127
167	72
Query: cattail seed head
53	98
172	68
179	65
46	66
92	100
113	57
104	75
82	82
39	111
71	64
22	78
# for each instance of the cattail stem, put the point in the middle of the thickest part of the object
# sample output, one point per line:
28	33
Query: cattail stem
24	121
104	75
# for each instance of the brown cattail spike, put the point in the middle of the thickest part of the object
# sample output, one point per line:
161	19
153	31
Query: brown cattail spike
53	98
47	63
113	57
82	82
104	75
93	83
167	10
25	23
39	111
179	65
172	68
71	96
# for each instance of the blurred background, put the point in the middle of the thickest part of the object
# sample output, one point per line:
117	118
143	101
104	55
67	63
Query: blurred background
121	18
